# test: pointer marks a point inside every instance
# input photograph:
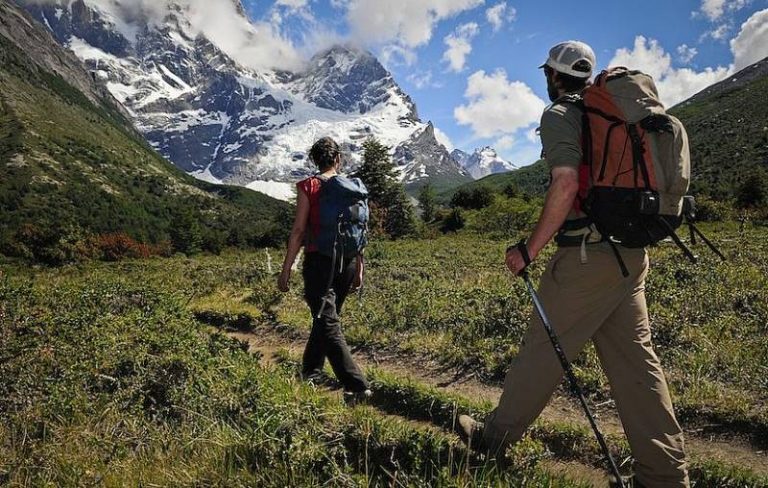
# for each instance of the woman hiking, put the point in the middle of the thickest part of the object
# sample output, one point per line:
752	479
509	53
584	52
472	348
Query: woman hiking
331	221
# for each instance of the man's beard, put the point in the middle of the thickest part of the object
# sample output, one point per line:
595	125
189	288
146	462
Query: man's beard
552	90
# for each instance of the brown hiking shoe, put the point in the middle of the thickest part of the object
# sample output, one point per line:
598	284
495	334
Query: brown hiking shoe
471	432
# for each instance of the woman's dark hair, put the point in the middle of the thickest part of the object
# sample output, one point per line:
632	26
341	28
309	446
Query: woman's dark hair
568	83
324	153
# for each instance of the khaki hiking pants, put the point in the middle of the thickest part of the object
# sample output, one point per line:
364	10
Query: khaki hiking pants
594	301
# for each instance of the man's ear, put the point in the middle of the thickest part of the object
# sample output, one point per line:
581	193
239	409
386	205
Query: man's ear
556	79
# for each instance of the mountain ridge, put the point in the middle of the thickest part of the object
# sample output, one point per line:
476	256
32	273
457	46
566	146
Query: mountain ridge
71	168
223	122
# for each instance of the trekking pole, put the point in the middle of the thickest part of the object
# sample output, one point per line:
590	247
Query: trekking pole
575	388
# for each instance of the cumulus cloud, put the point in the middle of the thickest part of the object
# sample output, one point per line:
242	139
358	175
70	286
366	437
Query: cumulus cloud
686	53
423	80
459	45
393	54
292	4
675	85
500	14
256	45
497	106
407	22
505	143
443	139
751	44
715	9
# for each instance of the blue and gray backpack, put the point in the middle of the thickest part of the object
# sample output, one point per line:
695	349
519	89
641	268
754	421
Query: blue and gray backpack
344	217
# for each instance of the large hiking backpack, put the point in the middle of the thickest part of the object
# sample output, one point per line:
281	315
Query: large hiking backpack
636	162
344	217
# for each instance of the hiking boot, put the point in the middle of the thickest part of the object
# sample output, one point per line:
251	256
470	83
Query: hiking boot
314	378
628	481
471	432
352	398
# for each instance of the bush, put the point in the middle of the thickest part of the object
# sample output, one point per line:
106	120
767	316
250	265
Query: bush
472	198
753	193
48	244
454	221
710	210
118	246
505	217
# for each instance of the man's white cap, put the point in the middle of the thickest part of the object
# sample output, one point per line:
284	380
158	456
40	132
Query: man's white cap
573	58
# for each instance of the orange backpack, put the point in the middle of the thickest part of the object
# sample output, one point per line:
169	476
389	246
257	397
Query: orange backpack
636	161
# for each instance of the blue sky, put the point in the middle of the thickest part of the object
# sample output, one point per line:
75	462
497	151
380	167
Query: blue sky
441	51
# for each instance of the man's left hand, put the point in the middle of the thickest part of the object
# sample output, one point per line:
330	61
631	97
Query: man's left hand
515	261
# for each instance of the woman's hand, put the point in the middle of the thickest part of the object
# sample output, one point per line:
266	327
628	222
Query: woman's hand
284	281
357	283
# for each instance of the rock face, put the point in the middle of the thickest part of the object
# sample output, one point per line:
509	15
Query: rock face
223	122
71	164
40	47
422	159
483	162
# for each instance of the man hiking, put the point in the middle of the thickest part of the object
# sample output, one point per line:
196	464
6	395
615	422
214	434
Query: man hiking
587	297
331	221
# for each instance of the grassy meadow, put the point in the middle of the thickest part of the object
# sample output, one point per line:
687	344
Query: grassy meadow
119	374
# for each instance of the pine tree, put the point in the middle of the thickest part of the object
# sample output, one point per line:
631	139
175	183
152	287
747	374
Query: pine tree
377	171
427	203
391	211
400	221
186	233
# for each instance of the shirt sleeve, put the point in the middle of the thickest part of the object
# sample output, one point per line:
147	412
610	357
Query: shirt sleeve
561	136
303	186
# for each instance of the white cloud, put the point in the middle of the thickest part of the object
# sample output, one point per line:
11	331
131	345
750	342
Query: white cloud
292	4
423	80
407	22
505	143
459	46
500	14
715	9
751	44
675	85
686	53
443	139
394	54
497	106
256	45
719	33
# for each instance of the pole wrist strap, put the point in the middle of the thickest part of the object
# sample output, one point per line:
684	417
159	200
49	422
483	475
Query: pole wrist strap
522	247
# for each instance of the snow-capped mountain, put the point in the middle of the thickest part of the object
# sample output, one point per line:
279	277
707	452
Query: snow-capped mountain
224	122
483	162
422	159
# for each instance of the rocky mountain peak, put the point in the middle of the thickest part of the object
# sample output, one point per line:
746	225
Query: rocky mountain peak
482	162
225	122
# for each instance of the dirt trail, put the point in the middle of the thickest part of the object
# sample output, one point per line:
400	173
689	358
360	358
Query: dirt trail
269	341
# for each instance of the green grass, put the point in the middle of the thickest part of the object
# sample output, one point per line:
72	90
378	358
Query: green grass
105	372
110	381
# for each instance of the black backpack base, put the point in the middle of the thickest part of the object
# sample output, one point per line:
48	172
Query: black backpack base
630	218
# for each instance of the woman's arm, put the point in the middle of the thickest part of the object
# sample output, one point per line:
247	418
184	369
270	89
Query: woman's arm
295	241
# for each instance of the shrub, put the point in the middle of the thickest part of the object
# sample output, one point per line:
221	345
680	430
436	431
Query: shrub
472	198
710	210
48	244
454	221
